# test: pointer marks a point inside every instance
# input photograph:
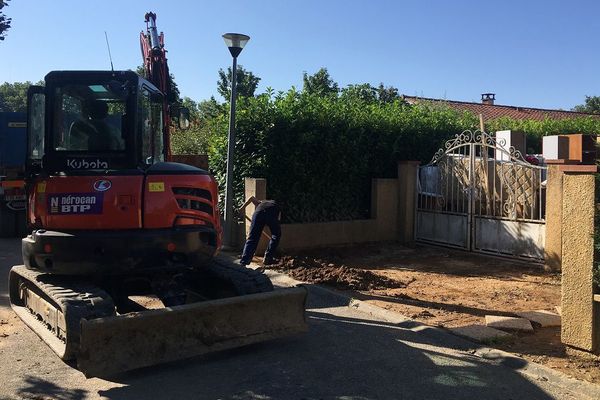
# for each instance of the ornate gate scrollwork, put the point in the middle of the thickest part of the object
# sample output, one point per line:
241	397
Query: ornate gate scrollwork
476	177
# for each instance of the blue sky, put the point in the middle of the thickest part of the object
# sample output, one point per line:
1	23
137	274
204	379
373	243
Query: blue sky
530	53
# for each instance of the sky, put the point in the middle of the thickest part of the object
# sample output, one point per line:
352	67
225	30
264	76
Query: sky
537	53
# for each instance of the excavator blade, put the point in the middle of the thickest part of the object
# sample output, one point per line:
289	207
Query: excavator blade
115	344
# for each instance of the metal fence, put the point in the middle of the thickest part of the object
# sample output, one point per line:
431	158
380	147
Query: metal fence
480	195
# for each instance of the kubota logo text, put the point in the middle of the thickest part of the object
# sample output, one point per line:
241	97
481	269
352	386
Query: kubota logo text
75	163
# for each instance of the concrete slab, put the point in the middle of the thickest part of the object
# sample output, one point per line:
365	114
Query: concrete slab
480	333
541	317
508	323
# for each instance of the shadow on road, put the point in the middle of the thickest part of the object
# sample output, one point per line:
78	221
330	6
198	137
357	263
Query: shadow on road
341	358
449	307
38	388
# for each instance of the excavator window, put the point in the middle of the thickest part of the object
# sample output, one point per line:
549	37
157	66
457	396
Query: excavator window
88	118
35	123
150	118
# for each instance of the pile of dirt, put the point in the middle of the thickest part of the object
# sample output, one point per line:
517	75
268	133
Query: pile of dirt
314	270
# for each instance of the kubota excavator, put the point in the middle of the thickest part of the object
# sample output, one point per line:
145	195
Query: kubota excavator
112	218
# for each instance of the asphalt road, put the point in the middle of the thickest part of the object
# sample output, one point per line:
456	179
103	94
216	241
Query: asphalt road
347	354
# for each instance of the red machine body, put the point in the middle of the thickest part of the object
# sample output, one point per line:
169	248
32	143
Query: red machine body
101	188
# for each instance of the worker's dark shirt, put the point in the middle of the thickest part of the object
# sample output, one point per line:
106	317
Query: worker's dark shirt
266	205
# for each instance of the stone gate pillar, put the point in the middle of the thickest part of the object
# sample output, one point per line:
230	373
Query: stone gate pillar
580	313
407	195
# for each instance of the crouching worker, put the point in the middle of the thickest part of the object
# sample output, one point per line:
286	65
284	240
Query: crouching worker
267	213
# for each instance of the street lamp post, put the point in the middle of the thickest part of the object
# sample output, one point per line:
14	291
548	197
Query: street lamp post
235	42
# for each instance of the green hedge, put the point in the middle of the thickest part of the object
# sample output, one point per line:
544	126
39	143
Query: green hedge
319	153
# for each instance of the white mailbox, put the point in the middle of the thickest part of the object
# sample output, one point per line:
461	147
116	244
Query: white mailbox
507	139
555	147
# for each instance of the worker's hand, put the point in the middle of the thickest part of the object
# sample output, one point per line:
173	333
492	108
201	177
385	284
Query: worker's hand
240	214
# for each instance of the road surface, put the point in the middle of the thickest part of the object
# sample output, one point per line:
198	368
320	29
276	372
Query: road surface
347	354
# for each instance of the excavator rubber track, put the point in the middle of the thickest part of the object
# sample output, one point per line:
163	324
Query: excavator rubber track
78	320
244	280
53	306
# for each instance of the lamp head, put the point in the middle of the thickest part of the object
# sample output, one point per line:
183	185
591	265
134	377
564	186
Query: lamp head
235	42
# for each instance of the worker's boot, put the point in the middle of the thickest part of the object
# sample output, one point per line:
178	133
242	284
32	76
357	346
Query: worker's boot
269	260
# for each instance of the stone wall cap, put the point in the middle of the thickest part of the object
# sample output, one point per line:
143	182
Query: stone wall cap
579	168
561	162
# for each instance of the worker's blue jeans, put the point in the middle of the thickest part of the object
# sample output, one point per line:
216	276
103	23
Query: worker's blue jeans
270	218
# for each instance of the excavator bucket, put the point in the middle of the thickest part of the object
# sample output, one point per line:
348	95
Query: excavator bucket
115	344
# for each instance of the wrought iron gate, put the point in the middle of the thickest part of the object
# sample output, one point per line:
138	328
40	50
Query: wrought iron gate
479	195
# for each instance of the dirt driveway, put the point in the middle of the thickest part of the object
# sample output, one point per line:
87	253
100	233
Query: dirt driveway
448	288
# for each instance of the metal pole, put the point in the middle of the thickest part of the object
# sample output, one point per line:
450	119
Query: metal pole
229	214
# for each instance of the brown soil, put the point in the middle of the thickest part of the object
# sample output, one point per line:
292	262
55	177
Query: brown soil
314	270
448	289
8	324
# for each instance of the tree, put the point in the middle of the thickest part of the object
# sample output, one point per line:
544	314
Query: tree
192	107
210	108
202	110
247	83
387	94
592	105
363	92
13	96
4	21
320	83
173	95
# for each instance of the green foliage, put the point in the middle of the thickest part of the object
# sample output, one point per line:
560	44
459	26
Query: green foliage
320	83
319	153
363	92
209	108
247	83
13	96
4	21
195	139
592	105
387	94
173	95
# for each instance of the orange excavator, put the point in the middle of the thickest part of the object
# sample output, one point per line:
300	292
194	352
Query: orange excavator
118	228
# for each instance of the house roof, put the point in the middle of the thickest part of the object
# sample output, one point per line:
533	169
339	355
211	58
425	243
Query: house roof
493	111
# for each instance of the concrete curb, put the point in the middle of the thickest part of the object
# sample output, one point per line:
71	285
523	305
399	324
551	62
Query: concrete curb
539	372
531	370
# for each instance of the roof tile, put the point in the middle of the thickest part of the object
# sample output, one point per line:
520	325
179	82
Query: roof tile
496	111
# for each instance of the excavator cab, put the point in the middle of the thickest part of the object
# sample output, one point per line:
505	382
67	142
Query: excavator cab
97	120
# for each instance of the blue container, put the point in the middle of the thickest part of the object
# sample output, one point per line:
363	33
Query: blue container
13	133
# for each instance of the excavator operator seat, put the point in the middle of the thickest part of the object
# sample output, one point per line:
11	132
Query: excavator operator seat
94	132
103	136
